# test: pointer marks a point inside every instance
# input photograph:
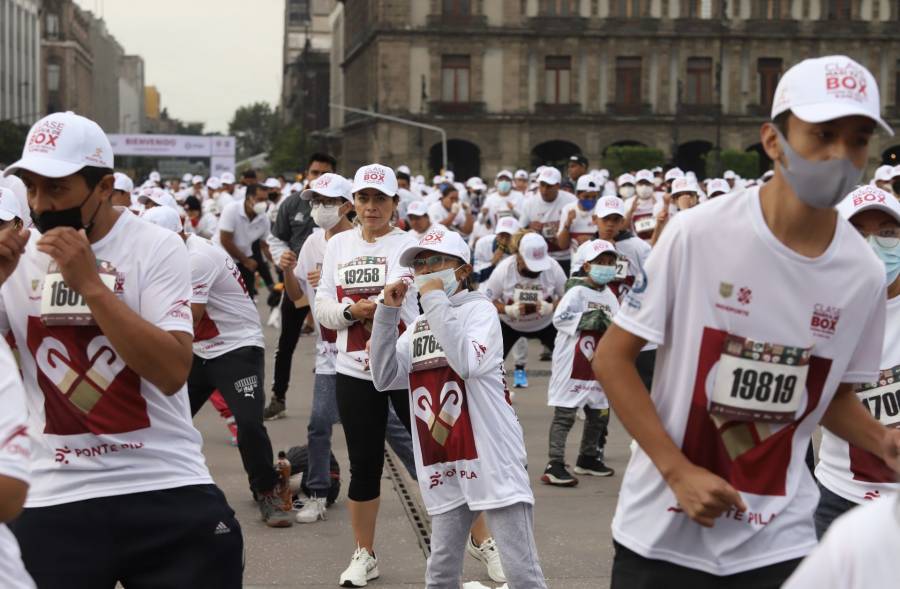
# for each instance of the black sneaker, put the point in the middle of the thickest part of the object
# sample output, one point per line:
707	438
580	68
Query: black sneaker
546	355
592	466
275	410
556	474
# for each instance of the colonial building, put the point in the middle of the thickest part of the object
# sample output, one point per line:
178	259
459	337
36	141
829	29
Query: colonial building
20	61
305	72
68	63
525	82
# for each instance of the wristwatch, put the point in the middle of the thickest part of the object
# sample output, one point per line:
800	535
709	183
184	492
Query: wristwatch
347	315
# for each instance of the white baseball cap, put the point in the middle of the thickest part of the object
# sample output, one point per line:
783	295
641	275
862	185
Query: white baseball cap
375	176
589	250
61	144
609	188
533	249
187	178
440	240
625	179
657	170
164	217
329	185
869	197
521	174
682	185
213	183
508	225
826	88
9	205
609	205
729	175
227	178
549	175
123	182
197	180
418	208
587	183
154	176
644	176
449	175
475	183
717	185
884	173
503	173
272	183
673	174
404	169
159	197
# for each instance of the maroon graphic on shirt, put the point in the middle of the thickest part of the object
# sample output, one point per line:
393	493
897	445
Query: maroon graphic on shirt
206	329
869	468
584	352
87	387
752	456
442	416
328	335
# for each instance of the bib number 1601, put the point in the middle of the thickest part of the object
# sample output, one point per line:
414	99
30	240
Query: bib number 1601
763	386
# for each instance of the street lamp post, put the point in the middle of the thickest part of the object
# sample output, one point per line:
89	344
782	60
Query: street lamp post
723	23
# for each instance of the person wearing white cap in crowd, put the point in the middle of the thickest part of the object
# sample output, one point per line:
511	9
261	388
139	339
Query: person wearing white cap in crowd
762	350
576	167
217	194
229	348
197	188
543	214
731	178
274	192
240	225
450	212
849	475
657	176
418	217
525	289
581	318
504	202
640	217
123	186
625	186
491	249
15	184
197	221
357	265
404	176
157	197
717	187
576	220
11	214
882	178
477	190
684	195
132	281
454	345
671	175
293	225
520	180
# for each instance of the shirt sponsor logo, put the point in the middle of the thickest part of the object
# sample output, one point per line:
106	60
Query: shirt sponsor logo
726	290
824	320
745	295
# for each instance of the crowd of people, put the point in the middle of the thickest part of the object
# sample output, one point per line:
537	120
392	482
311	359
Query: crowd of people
722	320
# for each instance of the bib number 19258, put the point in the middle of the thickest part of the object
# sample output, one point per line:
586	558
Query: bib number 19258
366	275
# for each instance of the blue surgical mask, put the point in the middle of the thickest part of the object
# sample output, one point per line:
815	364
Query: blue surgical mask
504	185
446	276
889	254
587	204
601	274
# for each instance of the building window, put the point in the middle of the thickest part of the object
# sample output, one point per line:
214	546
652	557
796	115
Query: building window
770	9
698	88
628	81
53	77
558	73
839	10
697	8
630	8
298	11
457	7
52	22
455	78
769	69
559	7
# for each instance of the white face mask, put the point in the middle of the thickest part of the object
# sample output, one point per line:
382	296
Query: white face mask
626	191
657	181
644	191
447	277
325	217
260	208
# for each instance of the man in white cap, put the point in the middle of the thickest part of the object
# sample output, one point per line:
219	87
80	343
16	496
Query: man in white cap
625	186
717	187
490	250
762	350
640	217
503	203
731	178
543	214
116	455
577	167
520	180
122	189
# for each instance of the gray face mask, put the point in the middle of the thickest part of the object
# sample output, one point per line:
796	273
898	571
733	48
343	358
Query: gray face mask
821	185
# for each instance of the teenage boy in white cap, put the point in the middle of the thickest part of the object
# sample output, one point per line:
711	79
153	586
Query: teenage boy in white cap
491	249
882	178
762	349
640	217
98	301
122	189
418	217
717	187
685	195
543	214
576	220
505	201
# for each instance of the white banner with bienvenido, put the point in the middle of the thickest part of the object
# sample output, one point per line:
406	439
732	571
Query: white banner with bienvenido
172	145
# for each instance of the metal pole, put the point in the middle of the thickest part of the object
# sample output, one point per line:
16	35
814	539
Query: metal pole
378	115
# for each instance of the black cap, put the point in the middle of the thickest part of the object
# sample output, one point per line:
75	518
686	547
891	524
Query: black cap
580	159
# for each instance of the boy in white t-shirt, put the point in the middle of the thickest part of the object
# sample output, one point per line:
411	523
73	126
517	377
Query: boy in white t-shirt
768	308
98	302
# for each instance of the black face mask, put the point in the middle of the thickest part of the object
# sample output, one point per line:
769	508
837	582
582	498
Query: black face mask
528	273
70	217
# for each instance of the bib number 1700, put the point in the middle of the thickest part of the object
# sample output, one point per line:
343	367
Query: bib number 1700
763	386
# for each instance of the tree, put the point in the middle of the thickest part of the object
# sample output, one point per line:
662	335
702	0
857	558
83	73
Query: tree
744	163
290	148
253	127
12	140
631	158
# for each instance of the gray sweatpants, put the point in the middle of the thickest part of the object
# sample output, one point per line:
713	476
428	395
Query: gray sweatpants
512	528
593	438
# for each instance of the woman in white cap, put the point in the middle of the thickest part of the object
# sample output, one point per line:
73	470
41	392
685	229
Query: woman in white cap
450	212
357	265
468	440
418	218
685	195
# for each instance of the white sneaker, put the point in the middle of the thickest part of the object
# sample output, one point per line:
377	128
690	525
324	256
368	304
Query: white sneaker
275	318
312	511
363	568
488	554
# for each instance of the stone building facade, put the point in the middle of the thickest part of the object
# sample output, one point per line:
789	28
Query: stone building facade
305	63
20	61
518	83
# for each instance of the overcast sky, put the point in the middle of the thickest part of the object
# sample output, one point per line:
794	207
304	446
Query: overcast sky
206	57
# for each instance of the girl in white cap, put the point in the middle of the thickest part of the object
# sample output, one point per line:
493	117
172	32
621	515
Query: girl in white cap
469	445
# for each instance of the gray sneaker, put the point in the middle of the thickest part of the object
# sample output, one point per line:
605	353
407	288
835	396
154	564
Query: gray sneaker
275	410
272	510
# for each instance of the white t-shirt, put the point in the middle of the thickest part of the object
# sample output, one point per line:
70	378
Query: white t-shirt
354	269
15	455
467	440
207	226
719	275
100	429
231	319
244	230
582	228
547	216
497	206
507	285
310	258
484	252
437	213
859	551
851	472
572	381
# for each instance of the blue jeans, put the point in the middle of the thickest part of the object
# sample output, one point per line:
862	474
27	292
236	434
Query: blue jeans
831	506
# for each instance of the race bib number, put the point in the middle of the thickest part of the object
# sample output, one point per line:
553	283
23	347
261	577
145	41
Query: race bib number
426	351
530	295
645	225
548	230
759	382
882	398
363	275
621	269
504	212
60	305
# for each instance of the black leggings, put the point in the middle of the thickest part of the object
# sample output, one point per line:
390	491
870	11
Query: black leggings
364	414
511	336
